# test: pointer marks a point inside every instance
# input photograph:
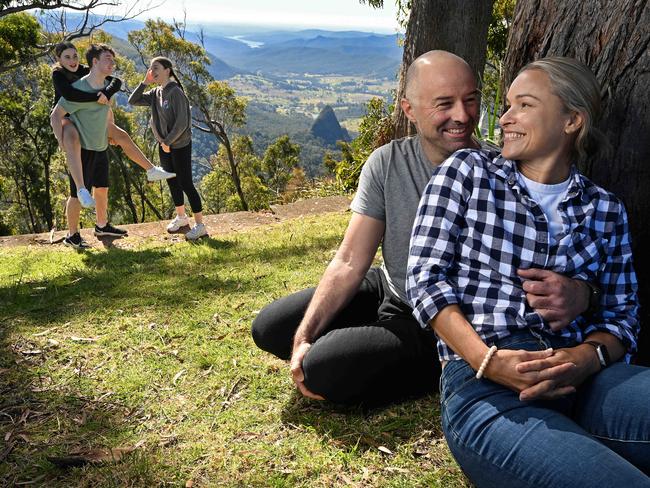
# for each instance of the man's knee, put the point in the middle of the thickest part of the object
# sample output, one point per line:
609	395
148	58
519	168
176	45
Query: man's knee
268	333
275	325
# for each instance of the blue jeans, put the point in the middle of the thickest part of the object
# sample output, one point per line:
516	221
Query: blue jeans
598	437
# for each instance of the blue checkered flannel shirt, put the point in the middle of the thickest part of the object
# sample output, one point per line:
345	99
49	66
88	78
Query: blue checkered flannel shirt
476	225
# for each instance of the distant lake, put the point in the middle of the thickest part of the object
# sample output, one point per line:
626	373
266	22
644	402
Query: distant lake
253	44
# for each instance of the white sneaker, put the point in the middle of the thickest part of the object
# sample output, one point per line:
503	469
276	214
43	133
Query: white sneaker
178	222
156	173
85	198
196	232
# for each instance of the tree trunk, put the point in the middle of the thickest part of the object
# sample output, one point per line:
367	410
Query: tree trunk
128	197
234	172
49	214
459	26
613	38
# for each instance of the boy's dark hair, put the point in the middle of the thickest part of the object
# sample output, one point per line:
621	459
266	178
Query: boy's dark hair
95	51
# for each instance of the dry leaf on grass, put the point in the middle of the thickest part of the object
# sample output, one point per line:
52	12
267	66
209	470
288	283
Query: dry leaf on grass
32	352
82	339
178	375
36	480
93	456
385	450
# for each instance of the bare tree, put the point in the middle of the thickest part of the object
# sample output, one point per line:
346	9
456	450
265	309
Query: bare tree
58	26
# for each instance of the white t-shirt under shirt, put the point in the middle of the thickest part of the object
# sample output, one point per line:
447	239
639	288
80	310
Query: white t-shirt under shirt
548	197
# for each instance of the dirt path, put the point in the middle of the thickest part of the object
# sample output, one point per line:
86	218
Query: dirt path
217	224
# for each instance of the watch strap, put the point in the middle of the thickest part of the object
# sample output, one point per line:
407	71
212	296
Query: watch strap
594	299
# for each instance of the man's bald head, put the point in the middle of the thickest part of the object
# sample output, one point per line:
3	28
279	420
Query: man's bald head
442	101
432	61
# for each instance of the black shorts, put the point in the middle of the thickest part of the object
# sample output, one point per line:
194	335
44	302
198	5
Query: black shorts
94	165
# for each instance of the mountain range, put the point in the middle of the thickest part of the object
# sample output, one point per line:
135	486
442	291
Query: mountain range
285	52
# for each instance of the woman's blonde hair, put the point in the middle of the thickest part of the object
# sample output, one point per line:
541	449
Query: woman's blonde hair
576	86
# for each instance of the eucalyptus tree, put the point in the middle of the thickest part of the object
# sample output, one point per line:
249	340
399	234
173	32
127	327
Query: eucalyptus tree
28	146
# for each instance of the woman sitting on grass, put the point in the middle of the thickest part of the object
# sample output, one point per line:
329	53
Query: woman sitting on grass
65	72
524	405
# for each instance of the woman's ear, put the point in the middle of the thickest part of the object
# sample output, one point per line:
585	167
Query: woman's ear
574	123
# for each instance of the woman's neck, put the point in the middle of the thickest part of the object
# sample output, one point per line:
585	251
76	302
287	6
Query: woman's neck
547	172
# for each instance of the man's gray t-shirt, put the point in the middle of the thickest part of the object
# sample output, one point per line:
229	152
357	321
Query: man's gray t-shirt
390	187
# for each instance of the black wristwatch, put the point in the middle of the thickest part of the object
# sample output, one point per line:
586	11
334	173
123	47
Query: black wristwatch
601	352
594	299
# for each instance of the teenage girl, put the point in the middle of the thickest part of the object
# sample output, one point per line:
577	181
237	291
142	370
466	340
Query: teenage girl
171	123
65	72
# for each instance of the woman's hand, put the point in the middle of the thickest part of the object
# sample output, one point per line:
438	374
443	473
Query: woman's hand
556	381
148	78
165	148
101	98
505	368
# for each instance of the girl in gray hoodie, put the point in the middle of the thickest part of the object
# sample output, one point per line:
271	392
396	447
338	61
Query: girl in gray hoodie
171	122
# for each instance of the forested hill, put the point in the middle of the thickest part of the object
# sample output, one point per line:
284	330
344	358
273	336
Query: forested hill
327	127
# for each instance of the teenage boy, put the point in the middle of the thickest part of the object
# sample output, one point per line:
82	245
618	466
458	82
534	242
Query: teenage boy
91	121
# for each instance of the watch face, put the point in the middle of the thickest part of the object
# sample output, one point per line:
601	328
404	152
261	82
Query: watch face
603	355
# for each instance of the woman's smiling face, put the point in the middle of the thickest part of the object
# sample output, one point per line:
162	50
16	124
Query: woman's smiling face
535	124
159	73
69	59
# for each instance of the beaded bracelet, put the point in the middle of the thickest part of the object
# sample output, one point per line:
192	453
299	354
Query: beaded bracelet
486	360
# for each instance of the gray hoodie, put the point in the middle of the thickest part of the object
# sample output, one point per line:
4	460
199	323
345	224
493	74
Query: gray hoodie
171	118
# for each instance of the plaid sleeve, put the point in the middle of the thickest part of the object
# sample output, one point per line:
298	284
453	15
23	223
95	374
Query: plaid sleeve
619	303
433	238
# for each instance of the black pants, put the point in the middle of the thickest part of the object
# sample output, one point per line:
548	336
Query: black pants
373	352
179	161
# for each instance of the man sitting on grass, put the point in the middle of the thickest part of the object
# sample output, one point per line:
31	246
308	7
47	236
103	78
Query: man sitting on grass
91	121
353	339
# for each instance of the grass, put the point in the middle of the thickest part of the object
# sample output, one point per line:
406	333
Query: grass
151	348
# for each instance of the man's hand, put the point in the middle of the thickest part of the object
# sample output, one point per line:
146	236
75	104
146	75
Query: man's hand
557	381
165	148
299	352
504	368
103	99
555	297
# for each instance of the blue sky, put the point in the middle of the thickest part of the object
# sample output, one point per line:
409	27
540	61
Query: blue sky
329	14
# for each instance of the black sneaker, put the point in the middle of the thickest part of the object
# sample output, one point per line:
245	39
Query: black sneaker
75	241
109	230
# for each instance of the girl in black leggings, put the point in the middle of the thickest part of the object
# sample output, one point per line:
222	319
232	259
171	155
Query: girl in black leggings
171	123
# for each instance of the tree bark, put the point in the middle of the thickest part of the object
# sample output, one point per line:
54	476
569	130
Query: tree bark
613	38
459	27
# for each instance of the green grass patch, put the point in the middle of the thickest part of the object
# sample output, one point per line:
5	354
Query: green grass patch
151	348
